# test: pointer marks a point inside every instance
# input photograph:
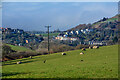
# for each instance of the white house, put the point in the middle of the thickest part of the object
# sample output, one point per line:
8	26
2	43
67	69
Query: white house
78	32
73	39
81	30
97	43
72	32
65	35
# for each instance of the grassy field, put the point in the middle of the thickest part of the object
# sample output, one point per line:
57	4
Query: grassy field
97	63
109	20
51	34
19	48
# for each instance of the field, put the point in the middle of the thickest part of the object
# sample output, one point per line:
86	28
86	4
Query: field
19	48
97	63
50	34
109	20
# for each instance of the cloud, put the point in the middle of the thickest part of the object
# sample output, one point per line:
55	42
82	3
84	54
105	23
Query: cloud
34	16
106	8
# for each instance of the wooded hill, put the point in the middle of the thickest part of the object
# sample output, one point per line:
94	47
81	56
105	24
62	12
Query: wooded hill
105	29
105	23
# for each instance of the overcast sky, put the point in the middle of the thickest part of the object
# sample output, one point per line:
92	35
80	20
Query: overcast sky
62	15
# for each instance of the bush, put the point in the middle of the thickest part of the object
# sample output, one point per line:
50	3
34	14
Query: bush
81	46
6	50
61	48
55	49
24	54
42	51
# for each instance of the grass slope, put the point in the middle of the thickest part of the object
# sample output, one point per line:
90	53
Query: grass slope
19	48
50	34
97	63
109	20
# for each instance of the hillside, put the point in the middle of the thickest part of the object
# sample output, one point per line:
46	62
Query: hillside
109	21
19	48
104	30
95	63
98	24
20	38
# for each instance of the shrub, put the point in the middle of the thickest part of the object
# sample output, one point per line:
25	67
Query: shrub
42	51
61	48
81	46
6	50
55	49
19	55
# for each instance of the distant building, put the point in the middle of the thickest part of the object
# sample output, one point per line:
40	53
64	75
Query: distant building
67	33
66	38
60	34
81	30
72	32
58	37
86	31
13	31
20	44
97	43
74	39
78	32
8	29
20	31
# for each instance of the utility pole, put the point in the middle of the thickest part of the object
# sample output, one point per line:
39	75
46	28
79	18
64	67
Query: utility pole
48	37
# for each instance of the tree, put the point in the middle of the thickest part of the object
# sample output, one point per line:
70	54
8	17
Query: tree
115	40
6	50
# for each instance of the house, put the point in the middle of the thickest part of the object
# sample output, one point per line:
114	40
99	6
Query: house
20	44
67	33
58	37
8	29
20	31
97	43
89	30
60	34
78	32
14	31
74	39
72	32
66	38
86	31
83	31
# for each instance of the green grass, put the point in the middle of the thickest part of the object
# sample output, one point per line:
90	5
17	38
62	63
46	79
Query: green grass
51	34
97	63
19	48
110	19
